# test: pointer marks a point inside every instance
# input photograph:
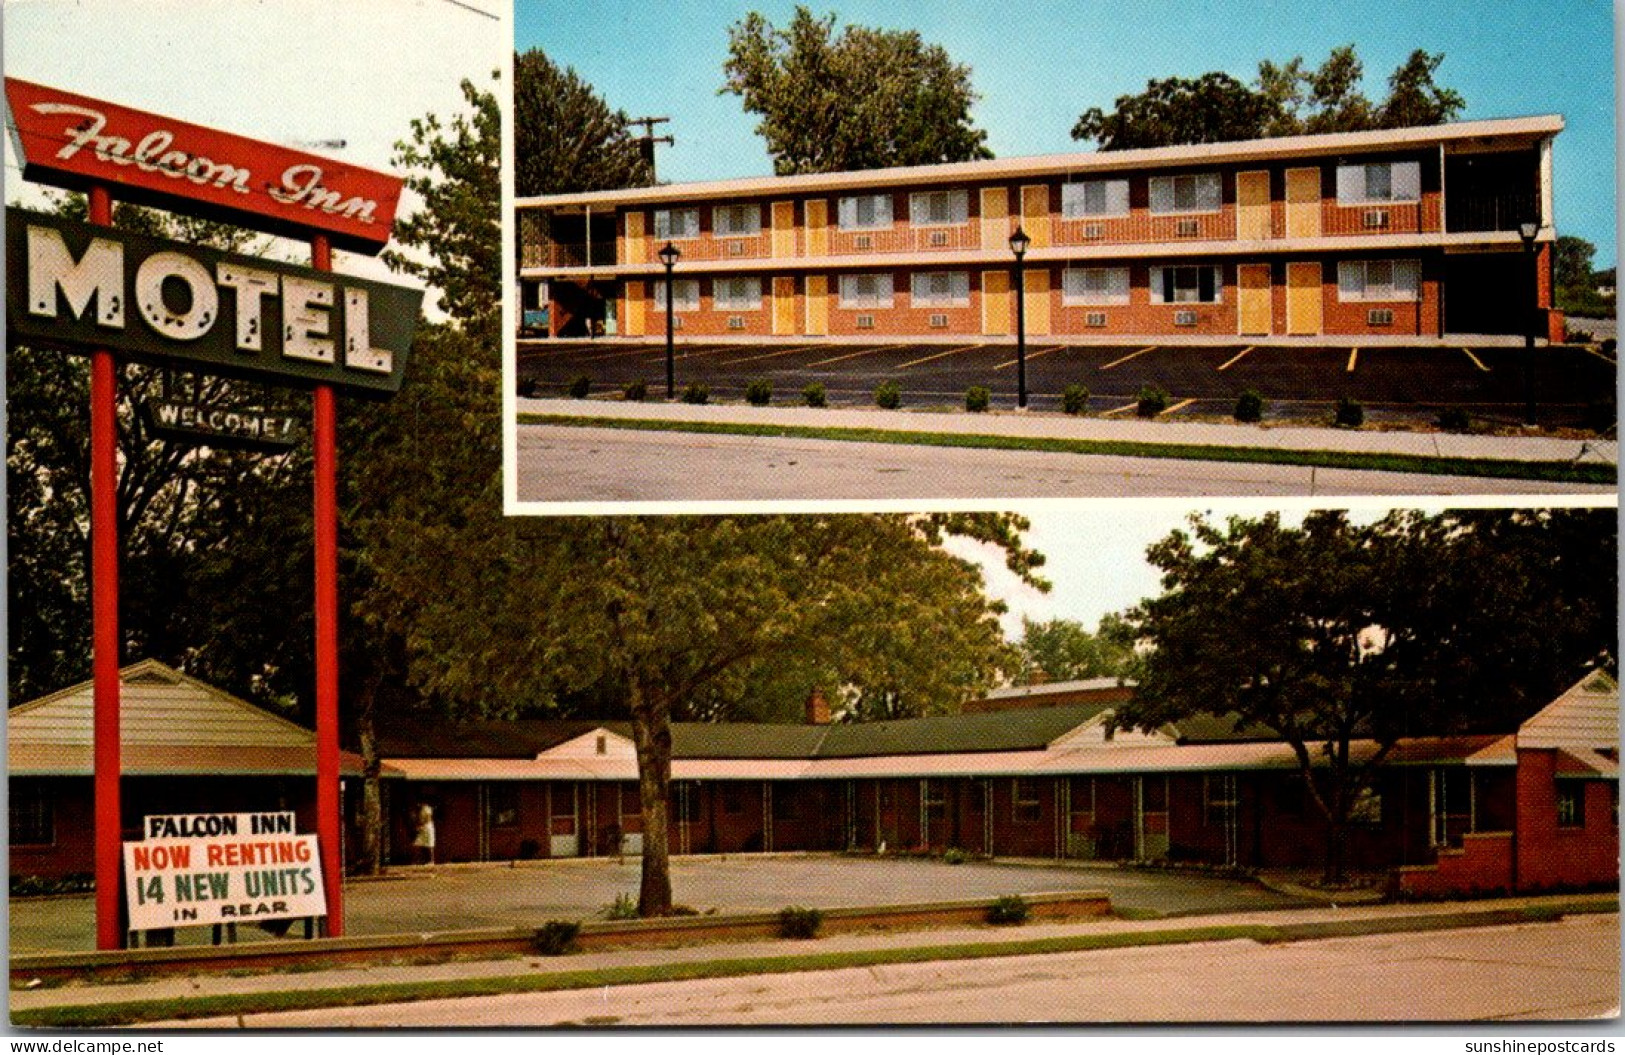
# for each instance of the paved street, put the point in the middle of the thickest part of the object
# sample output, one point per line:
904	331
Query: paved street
1567	970
458	897
586	464
1301	383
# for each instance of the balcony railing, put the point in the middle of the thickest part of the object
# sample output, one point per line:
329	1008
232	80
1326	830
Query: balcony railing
1489	212
567	254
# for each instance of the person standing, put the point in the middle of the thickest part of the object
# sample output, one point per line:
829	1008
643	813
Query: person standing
423	837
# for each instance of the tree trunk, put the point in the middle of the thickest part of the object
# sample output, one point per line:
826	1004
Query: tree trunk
370	857
1336	837
651	733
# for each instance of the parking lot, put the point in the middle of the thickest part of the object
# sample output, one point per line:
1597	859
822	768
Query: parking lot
457	897
1300	383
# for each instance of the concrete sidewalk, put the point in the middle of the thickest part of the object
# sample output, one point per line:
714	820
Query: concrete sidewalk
1130	430
1289	924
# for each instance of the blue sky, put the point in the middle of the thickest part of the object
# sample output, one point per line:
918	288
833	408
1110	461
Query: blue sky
1038	63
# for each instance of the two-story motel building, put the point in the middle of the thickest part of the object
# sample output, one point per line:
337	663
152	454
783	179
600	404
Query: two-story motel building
1411	232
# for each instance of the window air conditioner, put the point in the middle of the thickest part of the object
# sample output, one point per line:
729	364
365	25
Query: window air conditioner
1095	319
1184	318
866	322
1379	317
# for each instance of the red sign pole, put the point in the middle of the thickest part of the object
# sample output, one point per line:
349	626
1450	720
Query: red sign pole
104	620
324	433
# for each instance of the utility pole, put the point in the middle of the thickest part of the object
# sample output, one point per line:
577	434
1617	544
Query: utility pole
646	142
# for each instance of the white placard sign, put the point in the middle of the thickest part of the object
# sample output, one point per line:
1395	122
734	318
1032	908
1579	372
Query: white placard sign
204	868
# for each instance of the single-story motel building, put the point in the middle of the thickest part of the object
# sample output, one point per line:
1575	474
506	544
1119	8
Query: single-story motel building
1028	772
1411	235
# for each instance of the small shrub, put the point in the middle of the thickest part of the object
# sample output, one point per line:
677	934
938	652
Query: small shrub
1249	406
1607	346
696	393
798	922
888	396
635	391
1349	413
813	395
1074	399
955	856
1454	419
977	398
579	387
527	387
556	937
759	392
1007	910
625	906
1153	401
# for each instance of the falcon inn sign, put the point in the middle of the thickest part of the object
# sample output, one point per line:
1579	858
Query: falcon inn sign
115	295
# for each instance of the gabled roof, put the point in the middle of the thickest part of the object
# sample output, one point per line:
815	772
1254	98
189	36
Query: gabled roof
1585	718
169	724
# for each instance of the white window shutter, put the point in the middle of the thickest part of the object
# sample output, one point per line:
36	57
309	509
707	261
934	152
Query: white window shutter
662	223
847	216
883	287
882	210
1408	279
1209	192
1162	195
1350	279
1156	286
1117	197
1119	284
1350	184
1407	177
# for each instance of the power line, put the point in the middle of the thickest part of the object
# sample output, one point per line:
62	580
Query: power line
471	7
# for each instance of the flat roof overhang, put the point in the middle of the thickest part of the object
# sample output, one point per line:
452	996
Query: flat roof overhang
1465	136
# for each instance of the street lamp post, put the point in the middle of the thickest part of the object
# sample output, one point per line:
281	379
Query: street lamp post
1018	245
669	255
1527	231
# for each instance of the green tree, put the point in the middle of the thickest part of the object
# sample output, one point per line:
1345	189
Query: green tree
1064	650
1575	281
566	138
1286	99
457	170
672	615
1212	108
1344	638
861	99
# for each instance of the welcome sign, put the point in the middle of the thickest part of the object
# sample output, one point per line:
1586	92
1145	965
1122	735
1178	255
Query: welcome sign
77	286
206	868
72	141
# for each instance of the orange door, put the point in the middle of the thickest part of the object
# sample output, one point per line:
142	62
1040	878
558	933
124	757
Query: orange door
784	228
1303	299
1303	203
1253	205
995	218
817	226
784	305
817	305
995	302
1253	299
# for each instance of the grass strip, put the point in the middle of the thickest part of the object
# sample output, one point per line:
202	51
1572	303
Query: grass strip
1492	468
140	1011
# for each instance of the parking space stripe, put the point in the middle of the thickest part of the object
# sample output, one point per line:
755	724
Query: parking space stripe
1234	358
1354	357
1131	355
1468	352
1179	406
774	355
1599	355
938	355
1030	357
1118	410
618	353
850	355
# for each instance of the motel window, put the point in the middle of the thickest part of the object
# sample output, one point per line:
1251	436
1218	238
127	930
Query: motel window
733	799
934	793
938	207
786	803
677	223
1186	285
1379	280
940	289
737	294
33	821
1380	182
687	294
685	802
1366	808
1219	795
1571	804
866	291
502	806
736	221
1025	802
1094	285
1195	193
863	212
1106	197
